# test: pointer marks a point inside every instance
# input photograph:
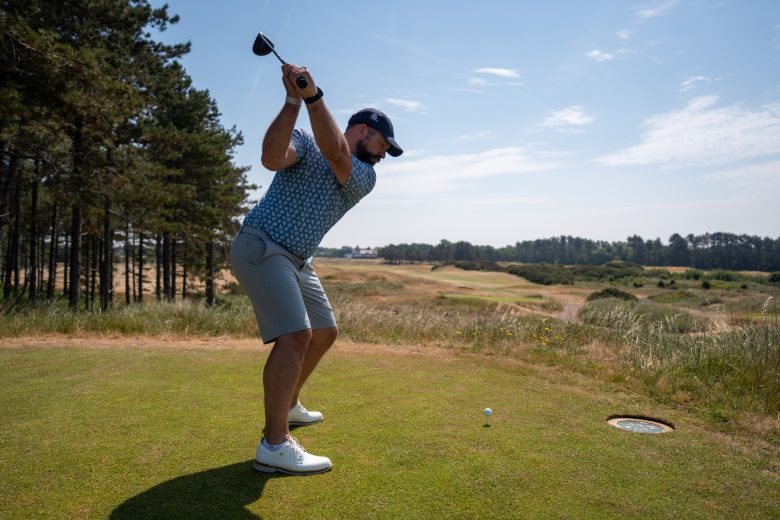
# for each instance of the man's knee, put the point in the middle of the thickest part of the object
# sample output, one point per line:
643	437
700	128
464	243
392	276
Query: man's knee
325	337
298	341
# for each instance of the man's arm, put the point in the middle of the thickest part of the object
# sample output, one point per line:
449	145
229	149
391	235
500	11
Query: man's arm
330	139
278	153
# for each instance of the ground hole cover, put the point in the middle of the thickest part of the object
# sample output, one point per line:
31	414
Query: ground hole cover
640	424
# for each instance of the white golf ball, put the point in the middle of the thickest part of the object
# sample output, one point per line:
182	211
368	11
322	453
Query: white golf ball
488	412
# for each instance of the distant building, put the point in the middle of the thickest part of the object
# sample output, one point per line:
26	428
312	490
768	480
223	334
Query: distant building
367	252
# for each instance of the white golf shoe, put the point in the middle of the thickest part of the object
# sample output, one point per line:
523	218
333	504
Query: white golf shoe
290	458
300	416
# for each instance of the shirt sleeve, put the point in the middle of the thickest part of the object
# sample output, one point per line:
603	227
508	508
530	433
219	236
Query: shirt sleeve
300	143
359	184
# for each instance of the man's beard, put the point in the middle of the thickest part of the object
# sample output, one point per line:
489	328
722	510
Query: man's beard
364	155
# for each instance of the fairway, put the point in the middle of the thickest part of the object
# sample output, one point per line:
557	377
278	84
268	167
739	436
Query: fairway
154	428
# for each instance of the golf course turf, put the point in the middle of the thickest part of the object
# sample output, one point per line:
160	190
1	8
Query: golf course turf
148	428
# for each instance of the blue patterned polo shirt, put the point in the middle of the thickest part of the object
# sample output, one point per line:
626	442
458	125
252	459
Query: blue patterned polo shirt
305	200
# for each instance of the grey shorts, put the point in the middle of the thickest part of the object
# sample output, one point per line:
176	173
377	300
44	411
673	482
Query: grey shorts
285	292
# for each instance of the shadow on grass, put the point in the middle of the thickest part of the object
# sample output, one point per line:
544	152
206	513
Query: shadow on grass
216	493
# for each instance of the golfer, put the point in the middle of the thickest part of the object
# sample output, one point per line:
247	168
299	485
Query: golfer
318	179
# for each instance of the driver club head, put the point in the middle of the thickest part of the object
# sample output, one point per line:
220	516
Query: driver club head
263	47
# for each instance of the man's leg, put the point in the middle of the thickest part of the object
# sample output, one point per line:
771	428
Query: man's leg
280	381
321	341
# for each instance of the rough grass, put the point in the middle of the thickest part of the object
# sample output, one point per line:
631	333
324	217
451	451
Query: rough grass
234	317
144	432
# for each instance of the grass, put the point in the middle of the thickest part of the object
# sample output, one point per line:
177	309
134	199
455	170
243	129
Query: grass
142	432
233	317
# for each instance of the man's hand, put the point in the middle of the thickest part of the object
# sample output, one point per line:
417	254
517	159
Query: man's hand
291	74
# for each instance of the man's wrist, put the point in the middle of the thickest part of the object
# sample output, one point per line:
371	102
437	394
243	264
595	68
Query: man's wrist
315	97
293	101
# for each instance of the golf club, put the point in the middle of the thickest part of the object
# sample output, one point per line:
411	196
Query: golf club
264	47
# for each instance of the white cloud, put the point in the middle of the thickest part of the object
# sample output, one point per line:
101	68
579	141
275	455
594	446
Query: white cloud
469	90
749	174
449	173
657	9
624	34
406	104
496	71
499	72
703	134
693	82
570	116
597	55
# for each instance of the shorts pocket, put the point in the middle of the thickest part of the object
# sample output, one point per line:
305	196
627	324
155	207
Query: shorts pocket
248	248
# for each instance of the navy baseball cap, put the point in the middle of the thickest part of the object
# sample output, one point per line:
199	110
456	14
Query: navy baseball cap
377	120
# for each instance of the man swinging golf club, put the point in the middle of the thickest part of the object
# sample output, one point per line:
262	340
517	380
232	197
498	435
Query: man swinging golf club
318	179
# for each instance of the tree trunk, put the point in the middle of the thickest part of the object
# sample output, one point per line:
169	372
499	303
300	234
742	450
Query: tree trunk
94	270
7	176
210	273
86	257
166	261
173	270
65	264
127	263
51	284
74	284
184	281
132	268
140	266
33	260
16	234
41	262
106	267
157	261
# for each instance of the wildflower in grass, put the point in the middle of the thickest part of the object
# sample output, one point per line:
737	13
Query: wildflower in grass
508	333
458	333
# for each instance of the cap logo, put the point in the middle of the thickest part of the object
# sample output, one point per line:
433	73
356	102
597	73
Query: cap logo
375	118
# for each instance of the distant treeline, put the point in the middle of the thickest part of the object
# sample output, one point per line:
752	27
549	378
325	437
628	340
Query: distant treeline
708	251
106	147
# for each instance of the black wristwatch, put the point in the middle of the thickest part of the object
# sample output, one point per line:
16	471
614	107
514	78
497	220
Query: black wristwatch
315	97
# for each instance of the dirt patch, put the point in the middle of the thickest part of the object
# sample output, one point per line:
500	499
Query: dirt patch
200	343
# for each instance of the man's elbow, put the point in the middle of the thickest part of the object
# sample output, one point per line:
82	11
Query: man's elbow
271	163
267	163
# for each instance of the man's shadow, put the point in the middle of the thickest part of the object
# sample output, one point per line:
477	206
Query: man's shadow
215	493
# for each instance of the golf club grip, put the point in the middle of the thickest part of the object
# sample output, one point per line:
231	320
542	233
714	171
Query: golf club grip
301	82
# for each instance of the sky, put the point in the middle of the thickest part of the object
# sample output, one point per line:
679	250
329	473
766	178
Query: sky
521	120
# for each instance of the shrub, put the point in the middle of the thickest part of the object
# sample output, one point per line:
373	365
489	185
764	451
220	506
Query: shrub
544	274
774	277
611	292
724	276
692	274
477	266
661	284
706	285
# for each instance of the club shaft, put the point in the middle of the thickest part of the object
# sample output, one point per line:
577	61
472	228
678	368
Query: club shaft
277	55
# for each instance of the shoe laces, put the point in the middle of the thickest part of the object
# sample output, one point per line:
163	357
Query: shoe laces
296	447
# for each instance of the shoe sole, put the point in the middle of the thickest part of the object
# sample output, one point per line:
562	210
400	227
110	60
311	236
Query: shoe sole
304	423
265	468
